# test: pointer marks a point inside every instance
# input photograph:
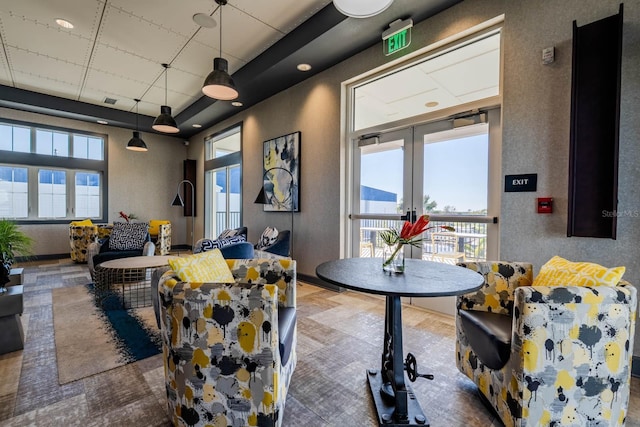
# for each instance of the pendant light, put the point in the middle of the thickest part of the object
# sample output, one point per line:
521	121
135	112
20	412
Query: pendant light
219	84
164	122
361	8
136	143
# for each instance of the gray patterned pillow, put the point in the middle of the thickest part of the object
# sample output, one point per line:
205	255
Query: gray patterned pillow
268	238
128	236
204	245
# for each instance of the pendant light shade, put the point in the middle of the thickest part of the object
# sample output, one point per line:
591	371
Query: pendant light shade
165	122
136	143
219	84
361	8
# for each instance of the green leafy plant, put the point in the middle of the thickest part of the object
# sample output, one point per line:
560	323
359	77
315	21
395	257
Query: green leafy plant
13	241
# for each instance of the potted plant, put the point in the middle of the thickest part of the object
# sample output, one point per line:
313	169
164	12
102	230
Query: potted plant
12	242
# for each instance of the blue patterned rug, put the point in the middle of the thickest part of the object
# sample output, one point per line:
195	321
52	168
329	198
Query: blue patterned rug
93	338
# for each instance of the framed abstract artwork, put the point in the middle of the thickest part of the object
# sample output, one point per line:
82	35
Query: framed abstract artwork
281	173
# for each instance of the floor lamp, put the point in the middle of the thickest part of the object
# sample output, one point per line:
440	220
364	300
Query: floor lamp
177	201
263	200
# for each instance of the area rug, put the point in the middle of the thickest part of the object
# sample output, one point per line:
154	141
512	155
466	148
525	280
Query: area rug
90	340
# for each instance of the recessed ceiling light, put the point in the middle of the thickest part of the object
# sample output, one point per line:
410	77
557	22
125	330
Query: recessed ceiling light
237	104
432	104
196	125
64	23
103	122
204	20
303	67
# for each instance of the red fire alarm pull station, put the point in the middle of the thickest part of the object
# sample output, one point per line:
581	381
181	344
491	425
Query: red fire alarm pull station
545	205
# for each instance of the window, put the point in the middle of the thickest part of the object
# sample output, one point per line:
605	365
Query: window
223	170
51	174
14	190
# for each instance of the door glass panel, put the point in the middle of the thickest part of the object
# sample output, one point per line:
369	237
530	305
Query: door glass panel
381	178
381	191
455	182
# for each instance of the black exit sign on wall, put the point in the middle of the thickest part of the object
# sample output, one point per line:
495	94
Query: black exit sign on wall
526	182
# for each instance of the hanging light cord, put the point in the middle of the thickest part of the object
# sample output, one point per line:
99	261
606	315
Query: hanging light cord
137	100
220	31
166	68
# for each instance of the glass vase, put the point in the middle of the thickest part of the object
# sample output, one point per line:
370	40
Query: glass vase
393	259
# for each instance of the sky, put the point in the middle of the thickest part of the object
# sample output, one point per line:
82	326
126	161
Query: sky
455	172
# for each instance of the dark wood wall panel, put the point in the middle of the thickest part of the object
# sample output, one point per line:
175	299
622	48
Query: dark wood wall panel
595	118
189	174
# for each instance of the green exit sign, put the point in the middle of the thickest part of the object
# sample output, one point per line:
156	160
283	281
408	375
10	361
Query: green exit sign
397	36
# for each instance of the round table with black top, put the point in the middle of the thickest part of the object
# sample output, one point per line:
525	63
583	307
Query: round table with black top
394	400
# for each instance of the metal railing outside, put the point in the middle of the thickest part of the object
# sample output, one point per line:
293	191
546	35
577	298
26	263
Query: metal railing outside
472	237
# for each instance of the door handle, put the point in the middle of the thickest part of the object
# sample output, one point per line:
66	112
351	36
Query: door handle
406	217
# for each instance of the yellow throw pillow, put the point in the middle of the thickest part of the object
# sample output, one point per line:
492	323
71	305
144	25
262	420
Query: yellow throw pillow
205	267
560	272
81	223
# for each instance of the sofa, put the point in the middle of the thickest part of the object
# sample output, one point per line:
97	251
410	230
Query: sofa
125	240
229	349
547	354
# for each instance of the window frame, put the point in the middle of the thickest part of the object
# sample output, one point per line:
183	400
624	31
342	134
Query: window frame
71	165
211	165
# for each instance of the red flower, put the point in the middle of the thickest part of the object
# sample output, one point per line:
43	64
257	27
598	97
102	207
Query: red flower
411	234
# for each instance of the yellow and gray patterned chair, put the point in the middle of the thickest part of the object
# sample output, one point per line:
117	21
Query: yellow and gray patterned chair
82	234
230	348
547	355
160	232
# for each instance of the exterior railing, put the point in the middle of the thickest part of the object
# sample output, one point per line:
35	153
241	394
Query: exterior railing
472	237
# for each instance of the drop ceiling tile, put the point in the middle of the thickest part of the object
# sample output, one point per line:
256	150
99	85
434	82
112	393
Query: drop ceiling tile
111	60
139	37
472	75
44	85
96	96
182	82
271	14
197	59
31	36
5	74
243	36
113	86
157	11
50	72
399	85
84	15
177	101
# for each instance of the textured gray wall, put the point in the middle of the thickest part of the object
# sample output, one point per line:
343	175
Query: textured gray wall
535	117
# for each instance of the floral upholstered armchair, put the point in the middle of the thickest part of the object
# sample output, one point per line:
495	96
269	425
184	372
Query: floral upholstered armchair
82	234
160	233
547	354
230	348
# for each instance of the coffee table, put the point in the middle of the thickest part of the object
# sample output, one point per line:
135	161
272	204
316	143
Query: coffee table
128	277
396	404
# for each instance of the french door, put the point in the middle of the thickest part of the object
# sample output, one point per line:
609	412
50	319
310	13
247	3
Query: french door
447	169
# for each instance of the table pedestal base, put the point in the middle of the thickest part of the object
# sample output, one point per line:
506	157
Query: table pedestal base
386	410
